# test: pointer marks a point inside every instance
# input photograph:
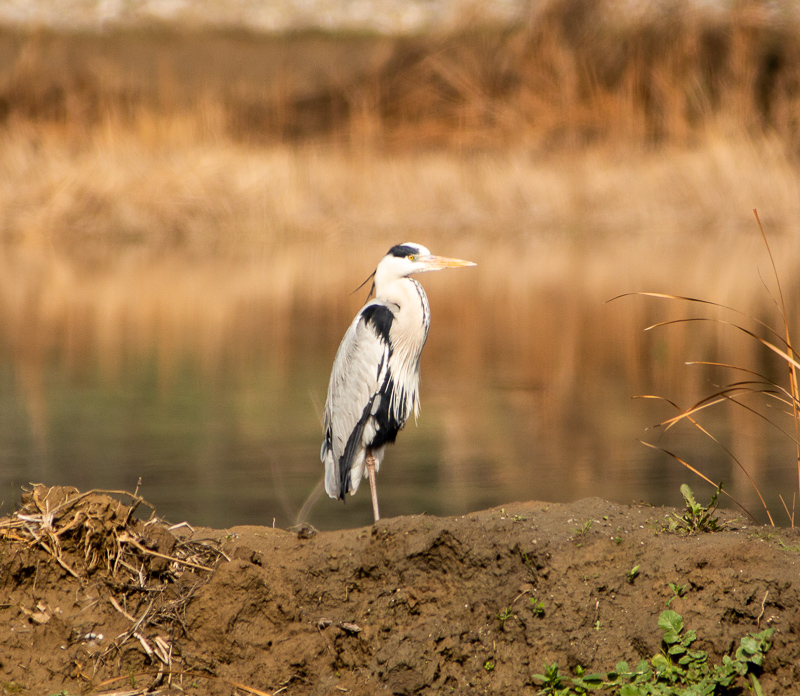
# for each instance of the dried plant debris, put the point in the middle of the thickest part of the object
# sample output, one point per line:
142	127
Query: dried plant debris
145	572
93	531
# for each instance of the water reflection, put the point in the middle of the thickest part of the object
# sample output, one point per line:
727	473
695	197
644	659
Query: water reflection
239	443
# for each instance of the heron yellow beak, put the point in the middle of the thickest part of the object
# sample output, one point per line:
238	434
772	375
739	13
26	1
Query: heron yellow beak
436	263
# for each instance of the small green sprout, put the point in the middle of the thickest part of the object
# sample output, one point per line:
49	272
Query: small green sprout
536	606
505	615
677	591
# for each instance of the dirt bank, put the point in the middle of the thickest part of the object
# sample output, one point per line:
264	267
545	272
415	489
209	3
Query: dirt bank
93	600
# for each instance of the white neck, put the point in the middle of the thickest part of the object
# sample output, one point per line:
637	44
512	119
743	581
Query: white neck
408	334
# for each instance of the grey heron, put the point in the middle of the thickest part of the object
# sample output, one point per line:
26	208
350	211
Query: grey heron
374	384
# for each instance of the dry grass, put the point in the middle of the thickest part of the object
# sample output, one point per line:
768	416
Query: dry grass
93	532
577	72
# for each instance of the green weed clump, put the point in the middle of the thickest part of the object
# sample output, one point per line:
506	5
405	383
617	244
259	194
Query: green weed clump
697	517
678	670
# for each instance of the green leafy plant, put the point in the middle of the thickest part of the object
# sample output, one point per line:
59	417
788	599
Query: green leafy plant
536	606
697	517
678	670
552	681
633	573
505	615
677	591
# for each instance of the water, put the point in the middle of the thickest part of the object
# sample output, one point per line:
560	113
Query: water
240	445
207	382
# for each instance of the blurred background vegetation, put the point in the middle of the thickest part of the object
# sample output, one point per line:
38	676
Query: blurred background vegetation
187	202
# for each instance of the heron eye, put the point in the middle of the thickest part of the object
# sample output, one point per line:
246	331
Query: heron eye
411	257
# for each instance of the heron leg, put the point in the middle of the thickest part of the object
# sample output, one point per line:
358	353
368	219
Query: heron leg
372	485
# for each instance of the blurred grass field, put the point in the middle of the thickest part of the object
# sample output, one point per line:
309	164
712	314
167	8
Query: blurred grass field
215	198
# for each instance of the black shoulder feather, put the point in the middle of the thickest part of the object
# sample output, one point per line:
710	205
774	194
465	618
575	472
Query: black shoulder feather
381	318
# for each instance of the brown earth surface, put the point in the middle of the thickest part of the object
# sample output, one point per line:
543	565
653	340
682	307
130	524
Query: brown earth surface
95	600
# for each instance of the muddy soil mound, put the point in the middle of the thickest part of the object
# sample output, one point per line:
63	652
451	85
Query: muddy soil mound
94	600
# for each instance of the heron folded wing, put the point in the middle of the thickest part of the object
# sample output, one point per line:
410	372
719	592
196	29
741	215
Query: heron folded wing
360	369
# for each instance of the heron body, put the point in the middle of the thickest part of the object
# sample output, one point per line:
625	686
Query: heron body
374	384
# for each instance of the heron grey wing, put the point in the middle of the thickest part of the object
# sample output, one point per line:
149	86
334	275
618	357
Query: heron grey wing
359	371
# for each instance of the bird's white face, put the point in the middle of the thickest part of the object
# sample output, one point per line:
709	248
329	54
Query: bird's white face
408	258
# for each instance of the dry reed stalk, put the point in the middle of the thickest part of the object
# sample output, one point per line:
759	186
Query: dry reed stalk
757	380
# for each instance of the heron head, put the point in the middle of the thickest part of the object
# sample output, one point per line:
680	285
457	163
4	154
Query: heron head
405	259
